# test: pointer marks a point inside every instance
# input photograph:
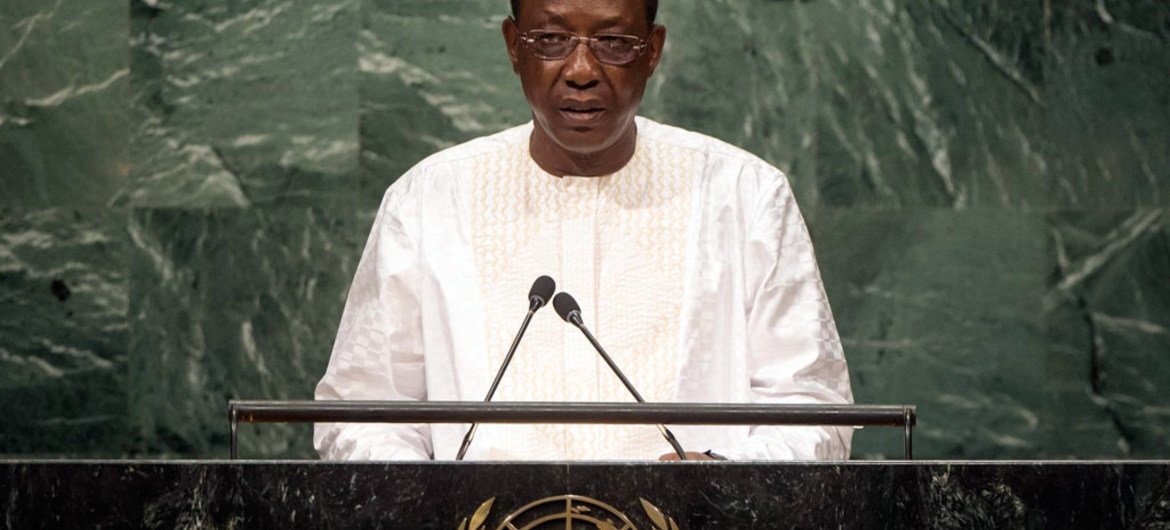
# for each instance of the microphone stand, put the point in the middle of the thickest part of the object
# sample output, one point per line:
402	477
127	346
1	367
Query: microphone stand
574	317
534	304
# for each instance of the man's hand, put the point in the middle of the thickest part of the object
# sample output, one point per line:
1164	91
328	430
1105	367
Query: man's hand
673	457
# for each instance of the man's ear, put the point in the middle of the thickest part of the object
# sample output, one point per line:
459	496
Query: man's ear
512	42
656	41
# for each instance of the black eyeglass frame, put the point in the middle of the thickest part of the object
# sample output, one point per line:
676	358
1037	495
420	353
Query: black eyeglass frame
576	40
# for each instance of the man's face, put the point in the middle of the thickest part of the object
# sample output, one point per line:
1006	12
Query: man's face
583	105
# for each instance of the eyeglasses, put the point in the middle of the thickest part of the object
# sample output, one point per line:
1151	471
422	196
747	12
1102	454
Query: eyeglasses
615	50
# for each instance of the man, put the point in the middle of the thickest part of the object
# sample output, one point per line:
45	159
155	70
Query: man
688	256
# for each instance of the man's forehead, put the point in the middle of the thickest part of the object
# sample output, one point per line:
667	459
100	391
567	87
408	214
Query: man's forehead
562	17
596	11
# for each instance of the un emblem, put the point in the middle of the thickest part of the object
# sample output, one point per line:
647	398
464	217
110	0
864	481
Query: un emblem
567	512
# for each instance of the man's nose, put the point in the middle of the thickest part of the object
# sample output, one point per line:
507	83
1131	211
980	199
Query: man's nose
582	69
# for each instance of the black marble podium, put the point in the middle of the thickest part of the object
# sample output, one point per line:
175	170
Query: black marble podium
692	495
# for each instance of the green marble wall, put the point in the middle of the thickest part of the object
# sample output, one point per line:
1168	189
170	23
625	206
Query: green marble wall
186	187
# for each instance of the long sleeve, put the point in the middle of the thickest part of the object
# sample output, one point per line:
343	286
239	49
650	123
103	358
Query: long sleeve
794	351
378	353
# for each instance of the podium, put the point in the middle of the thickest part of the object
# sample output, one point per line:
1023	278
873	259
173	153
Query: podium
691	495
592	495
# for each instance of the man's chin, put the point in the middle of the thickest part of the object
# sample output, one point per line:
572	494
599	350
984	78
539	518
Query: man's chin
585	141
581	141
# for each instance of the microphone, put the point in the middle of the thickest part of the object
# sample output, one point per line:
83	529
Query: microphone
568	309
542	289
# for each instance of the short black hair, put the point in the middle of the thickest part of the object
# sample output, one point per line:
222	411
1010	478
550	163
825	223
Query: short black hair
651	10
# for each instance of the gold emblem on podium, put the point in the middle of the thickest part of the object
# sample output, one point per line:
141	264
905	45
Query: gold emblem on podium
567	512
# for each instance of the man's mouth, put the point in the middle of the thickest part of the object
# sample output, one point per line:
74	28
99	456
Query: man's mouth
582	113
